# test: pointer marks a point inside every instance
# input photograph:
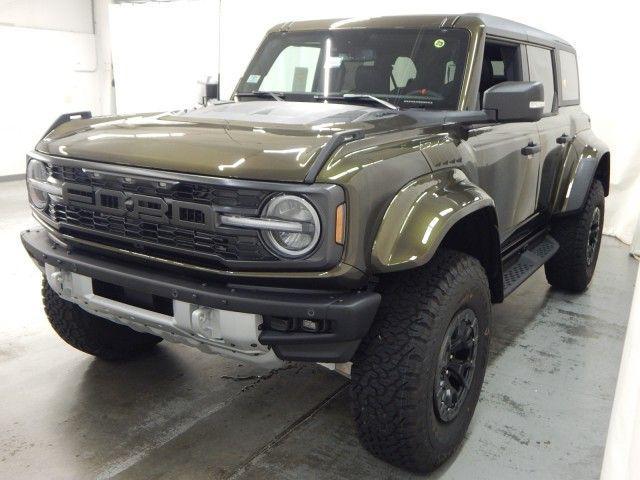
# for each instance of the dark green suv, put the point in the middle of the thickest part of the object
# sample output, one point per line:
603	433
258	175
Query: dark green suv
371	188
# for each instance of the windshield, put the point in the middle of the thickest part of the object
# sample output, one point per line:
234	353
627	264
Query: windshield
407	67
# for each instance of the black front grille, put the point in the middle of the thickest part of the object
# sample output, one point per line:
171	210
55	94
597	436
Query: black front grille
103	218
143	233
187	191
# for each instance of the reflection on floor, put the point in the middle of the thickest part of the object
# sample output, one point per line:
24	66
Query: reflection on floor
179	413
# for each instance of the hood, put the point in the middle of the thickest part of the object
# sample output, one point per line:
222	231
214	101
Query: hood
258	140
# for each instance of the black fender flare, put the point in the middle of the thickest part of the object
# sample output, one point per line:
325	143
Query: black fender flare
67	117
591	160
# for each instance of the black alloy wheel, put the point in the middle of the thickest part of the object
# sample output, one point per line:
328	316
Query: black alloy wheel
456	365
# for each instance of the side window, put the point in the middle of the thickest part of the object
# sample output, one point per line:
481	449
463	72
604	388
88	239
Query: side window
570	88
541	70
293	70
500	63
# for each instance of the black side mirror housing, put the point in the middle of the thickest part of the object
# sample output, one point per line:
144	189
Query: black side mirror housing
212	91
209	90
515	101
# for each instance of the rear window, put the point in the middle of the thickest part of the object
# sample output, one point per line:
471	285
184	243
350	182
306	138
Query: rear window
570	88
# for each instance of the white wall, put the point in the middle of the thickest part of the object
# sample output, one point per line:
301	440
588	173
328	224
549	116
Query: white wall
623	441
602	34
104	86
46	71
161	51
65	15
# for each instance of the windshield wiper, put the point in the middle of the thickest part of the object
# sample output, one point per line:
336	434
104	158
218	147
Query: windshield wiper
358	97
279	96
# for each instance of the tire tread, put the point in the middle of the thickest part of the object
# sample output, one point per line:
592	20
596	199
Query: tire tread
387	363
568	269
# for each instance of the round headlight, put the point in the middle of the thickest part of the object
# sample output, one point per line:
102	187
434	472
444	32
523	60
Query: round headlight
37	172
297	210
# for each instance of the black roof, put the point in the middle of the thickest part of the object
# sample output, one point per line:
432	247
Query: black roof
503	27
492	25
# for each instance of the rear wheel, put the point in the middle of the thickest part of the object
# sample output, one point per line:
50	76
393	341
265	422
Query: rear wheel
417	376
91	334
579	236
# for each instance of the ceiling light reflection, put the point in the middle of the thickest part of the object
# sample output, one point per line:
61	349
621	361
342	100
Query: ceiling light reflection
235	164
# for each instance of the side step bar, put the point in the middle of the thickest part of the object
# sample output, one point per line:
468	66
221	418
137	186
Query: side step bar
529	261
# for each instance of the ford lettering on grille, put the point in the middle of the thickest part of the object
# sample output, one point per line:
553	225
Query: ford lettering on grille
145	207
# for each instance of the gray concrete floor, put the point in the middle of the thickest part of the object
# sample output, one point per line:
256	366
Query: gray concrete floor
178	413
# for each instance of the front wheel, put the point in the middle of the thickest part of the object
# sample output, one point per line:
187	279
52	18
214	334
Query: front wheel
416	377
579	236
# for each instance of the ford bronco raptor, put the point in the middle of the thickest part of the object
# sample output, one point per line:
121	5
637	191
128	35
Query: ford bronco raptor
370	189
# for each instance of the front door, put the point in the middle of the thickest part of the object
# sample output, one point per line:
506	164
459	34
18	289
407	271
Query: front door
508	154
508	157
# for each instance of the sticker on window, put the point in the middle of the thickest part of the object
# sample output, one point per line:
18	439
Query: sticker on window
253	78
439	43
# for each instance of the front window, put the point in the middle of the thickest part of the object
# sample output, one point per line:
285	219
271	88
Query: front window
411	68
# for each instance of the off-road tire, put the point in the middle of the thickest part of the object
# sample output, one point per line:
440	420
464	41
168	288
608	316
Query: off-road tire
569	269
394	370
93	335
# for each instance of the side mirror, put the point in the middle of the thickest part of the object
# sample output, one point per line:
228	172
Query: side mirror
209	90
515	101
212	90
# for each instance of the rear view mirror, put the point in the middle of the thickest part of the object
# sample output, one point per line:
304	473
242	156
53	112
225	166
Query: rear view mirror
515	101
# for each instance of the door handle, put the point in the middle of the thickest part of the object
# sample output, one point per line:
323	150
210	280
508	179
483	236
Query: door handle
530	149
562	139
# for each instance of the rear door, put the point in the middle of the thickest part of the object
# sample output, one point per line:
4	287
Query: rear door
507	154
555	127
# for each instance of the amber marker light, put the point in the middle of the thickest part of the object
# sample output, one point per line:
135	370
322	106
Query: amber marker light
340	223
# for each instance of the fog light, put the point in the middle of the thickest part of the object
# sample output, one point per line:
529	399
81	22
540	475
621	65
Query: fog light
310	325
281	324
202	322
